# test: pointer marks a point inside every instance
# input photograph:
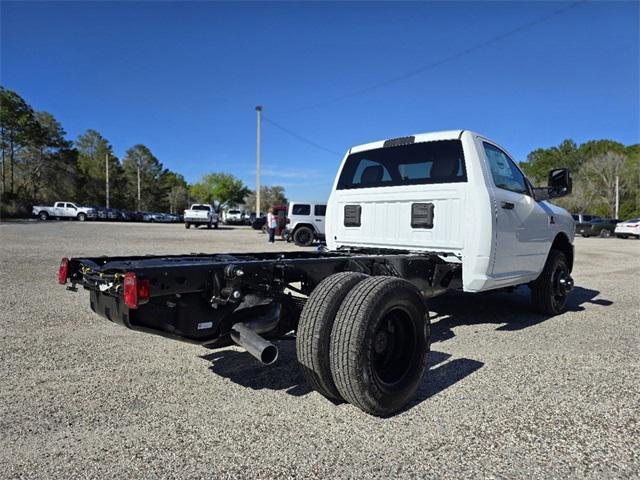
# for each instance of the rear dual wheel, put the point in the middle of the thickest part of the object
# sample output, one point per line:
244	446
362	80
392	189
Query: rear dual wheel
372	351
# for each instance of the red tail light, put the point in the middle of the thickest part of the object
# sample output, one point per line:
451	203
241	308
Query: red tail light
63	272
136	291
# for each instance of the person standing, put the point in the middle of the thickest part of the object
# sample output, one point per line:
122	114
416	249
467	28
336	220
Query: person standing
272	223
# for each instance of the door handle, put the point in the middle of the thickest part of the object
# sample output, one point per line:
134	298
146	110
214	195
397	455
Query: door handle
507	205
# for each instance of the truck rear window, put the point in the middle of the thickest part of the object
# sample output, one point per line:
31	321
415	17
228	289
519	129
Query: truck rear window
415	164
201	207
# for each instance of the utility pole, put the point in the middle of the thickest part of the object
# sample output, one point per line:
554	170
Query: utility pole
138	185
617	197
259	113
106	167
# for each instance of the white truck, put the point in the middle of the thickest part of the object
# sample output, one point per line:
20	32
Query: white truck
201	214
64	210
305	222
408	219
233	217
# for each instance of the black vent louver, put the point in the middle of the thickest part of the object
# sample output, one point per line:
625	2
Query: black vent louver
422	215
352	215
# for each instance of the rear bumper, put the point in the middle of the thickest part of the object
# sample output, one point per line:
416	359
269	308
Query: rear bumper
197	220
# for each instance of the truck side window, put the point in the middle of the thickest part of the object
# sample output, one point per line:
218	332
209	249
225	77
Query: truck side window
301	209
506	174
320	210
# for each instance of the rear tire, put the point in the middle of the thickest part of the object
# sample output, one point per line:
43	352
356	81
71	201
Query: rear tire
313	337
379	345
550	291
44	216
303	236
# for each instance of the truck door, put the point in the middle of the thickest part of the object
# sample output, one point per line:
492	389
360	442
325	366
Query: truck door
58	209
70	210
319	212
522	223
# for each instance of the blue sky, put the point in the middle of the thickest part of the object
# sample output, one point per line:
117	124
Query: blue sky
184	78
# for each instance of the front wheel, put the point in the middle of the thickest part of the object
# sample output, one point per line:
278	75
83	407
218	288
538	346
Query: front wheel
379	345
82	217
550	291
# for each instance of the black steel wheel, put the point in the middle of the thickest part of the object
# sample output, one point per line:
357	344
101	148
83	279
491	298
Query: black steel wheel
303	236
551	290
379	345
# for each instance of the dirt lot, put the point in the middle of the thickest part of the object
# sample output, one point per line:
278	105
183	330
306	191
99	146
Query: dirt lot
509	393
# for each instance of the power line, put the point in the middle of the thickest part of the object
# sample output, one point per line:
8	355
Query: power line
444	60
299	137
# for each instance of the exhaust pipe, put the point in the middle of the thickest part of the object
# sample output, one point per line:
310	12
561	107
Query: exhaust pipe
246	335
253	343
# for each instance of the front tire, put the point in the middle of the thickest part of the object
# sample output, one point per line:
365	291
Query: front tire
379	345
550	291
313	337
303	236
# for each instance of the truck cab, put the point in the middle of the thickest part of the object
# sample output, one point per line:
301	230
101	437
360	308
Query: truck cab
455	193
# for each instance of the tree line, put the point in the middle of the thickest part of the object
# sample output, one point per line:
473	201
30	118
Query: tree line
595	165
40	165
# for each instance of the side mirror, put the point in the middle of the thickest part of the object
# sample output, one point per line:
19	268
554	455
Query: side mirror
560	183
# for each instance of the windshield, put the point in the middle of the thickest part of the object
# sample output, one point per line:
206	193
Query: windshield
415	164
201	207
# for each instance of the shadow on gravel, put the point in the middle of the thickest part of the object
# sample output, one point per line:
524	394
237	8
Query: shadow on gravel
512	310
442	375
285	374
243	369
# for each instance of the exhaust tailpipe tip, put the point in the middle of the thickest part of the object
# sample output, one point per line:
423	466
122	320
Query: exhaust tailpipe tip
265	351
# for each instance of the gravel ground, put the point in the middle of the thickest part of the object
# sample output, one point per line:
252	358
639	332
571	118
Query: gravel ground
509	393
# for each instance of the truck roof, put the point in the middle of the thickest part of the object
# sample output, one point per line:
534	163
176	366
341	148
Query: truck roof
419	137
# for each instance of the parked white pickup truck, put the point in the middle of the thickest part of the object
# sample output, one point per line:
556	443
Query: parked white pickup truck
201	214
64	210
408	219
